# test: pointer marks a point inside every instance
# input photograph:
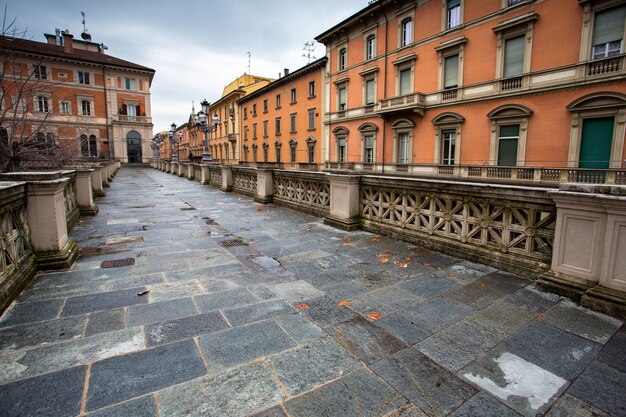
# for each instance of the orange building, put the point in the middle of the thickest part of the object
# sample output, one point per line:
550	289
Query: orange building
281	122
414	86
69	91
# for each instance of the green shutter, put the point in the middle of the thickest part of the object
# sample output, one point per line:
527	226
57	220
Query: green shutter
514	56
451	70
453	3
405	82
507	145
596	143
609	25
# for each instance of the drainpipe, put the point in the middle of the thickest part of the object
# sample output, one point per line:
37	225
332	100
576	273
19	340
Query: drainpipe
106	112
384	78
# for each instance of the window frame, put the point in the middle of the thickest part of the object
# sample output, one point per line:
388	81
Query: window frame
293	157
444	123
368	130
342	59
278	101
311	119
509	114
446	50
83	77
370	46
130	84
66	103
312	89
405	35
277	126
40	71
402	126
265	128
519	26
43	103
293	96
293	123
445	15
310	149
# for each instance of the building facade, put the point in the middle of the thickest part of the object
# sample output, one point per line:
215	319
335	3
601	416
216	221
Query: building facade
282	122
419	85
69	91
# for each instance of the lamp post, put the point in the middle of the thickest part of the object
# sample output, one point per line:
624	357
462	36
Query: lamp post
202	123
155	144
173	141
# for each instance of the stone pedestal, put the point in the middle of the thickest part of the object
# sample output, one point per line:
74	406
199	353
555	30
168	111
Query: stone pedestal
182	169
96	182
227	178
589	256
344	202
206	175
264	186
84	192
105	176
168	167
190	171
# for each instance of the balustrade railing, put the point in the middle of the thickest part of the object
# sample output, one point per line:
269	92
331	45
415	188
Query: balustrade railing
245	181
307	191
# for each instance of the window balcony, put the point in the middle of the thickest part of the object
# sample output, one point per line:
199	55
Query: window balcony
605	66
232	137
411	102
131	119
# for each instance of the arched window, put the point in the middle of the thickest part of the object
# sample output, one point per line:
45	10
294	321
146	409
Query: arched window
266	147
278	145
84	146
93	146
310	150
508	135
341	137
292	150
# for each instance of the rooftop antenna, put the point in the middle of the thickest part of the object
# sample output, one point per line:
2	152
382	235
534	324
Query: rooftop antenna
83	20
249	60
309	48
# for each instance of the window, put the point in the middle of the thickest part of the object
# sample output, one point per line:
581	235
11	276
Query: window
310	146
514	56
448	143
311	89
266	148
278	145
342	149
40	72
608	31
293	95
341	95
292	123
451	72
311	119
343	59
264	128
42	104
265	106
255	147
130	83
405	82
406	32
66	107
368	156
83	77
254	131
508	139
370	47
278	126
88	146
254	110
370	91
292	150
245	133
245	153
453	14
403	148
131	111
245	112
277	101
512	2
86	107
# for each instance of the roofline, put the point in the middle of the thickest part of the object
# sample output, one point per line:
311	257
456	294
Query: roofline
315	65
373	5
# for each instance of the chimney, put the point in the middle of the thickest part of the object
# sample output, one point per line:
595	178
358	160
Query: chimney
68	43
286	72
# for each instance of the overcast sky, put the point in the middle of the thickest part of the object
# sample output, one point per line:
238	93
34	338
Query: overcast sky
196	47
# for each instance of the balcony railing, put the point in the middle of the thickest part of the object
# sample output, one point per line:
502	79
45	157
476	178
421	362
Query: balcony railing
232	137
409	101
509	84
449	94
604	66
132	119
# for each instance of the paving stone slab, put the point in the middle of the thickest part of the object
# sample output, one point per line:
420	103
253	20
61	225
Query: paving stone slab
408	411
123	377
241	344
484	291
103	301
365	340
312	364
105	321
426	384
162	311
558	351
612	353
235	393
272	412
56	394
134	281
532	299
360	394
458	345
324	311
602	387
484	405
215	285
184	328
404	329
344	290
295	291
428	287
259	311
437	313
569	406
385	301
300	328
581	321
225	300
138	407
33	334
522	385
170	291
376	280
21	313
27	363
502	319
262	292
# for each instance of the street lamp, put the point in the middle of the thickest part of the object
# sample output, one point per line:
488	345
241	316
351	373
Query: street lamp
172	138
155	144
201	122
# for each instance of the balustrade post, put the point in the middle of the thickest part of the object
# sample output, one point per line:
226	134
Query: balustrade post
84	192
190	171
104	176
181	169
205	178
344	202
264	186
227	178
96	182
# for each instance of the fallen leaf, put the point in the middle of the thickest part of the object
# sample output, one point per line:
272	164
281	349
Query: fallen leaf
346	239
451	275
347	244
407	258
430	274
302	306
375	239
259	208
374	316
483	285
540	315
426	264
404	265
345	303
396	262
383	259
387	251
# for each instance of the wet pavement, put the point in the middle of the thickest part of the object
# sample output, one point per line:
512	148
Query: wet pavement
259	310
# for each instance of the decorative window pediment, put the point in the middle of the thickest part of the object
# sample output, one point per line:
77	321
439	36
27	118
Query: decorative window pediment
516	21
448	118
598	101
368	128
311	139
340	131
509	111
461	40
402	124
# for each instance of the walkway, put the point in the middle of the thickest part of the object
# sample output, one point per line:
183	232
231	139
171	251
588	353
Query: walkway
187	301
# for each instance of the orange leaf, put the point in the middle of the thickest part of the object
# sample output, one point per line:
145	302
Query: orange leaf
396	262
387	251
426	264
383	259
346	239
302	306
407	258
347	244
540	315
259	208
403	265
375	239
374	316
345	303
483	285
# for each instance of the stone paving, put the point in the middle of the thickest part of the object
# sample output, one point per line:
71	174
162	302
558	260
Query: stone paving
261	311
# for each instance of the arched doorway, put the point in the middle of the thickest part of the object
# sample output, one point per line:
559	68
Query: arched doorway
133	147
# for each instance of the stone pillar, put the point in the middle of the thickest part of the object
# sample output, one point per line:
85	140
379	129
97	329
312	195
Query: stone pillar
227	178
344	202
84	192
168	165
96	182
190	171
182	168
264	186
589	252
205	179
104	176
174	168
